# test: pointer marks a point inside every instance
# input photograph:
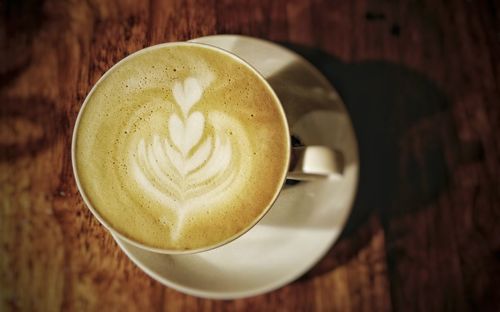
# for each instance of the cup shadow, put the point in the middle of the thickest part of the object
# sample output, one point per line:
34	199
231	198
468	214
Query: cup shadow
388	103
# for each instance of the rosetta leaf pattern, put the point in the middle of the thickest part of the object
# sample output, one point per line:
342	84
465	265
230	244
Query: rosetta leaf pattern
192	165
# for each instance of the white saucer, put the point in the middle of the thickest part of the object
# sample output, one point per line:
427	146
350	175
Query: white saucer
306	219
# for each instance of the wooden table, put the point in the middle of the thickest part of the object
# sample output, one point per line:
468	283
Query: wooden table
422	83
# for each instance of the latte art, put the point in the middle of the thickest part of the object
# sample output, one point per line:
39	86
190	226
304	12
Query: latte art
180	147
181	170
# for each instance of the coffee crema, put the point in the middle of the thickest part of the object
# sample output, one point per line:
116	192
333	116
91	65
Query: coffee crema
181	147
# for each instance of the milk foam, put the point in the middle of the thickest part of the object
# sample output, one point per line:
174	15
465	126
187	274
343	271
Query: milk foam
181	148
181	170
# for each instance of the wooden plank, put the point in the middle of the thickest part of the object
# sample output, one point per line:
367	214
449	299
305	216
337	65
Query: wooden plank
421	80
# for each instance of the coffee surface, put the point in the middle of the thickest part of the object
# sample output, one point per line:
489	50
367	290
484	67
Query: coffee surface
181	147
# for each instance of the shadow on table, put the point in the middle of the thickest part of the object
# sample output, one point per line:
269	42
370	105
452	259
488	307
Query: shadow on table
29	124
401	119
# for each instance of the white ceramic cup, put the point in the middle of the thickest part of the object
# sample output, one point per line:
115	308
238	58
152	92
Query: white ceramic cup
305	163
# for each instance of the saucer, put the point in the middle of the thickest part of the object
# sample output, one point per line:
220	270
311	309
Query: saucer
306	219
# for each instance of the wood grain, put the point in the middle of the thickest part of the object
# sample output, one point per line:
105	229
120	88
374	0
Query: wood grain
421	80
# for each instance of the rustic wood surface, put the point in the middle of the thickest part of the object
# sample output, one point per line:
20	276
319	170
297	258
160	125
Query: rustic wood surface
420	78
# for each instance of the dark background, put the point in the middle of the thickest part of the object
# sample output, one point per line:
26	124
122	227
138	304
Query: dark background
421	80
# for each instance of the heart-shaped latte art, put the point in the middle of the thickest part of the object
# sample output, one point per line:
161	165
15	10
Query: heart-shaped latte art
187	94
190	168
186	135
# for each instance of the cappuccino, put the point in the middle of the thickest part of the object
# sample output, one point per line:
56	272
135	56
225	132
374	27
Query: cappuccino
181	147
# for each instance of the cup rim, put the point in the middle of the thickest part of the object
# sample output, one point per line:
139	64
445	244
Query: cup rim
131	241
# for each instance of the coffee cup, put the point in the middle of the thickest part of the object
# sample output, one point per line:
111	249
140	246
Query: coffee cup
183	147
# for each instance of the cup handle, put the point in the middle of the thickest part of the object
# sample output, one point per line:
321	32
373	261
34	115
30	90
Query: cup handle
309	163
